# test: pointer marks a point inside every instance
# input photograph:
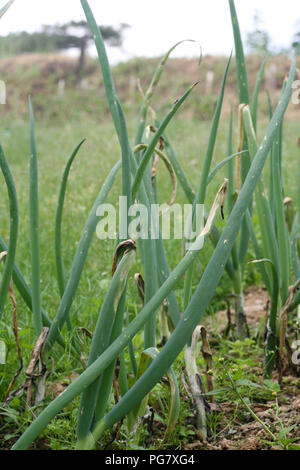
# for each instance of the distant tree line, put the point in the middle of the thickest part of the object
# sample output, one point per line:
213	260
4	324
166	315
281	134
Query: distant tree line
296	43
258	41
51	38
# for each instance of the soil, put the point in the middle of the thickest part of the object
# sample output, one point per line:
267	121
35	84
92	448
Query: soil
236	428
255	303
250	435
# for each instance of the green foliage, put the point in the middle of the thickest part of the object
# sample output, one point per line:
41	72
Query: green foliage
258	40
296	43
125	370
52	38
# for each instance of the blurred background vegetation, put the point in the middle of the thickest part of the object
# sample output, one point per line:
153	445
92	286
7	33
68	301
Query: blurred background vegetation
39	64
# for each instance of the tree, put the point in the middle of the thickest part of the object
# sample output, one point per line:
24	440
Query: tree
258	40
296	43
296	38
75	34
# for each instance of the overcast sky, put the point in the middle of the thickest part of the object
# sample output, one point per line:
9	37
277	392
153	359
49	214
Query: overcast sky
157	24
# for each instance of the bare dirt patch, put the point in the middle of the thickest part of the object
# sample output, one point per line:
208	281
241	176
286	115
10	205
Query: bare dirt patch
255	303
237	429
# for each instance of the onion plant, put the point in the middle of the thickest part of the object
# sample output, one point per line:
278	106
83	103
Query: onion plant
279	247
113	332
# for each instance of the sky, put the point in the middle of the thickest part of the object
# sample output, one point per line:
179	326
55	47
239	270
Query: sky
158	24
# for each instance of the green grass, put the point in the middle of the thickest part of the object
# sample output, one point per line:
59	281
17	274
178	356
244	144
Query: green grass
93	163
96	157
142	393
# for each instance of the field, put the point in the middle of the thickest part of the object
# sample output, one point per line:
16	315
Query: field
62	120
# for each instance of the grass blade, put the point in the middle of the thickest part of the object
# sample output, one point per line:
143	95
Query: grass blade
6	7
258	253
34	229
254	106
230	167
294	238
25	291
242	76
209	280
281	227
60	269
148	153
79	259
243	87
101	339
263	207
13	233
221	164
200	197
107	376
126	167
180	174
271	340
151	89
106	73
100	364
